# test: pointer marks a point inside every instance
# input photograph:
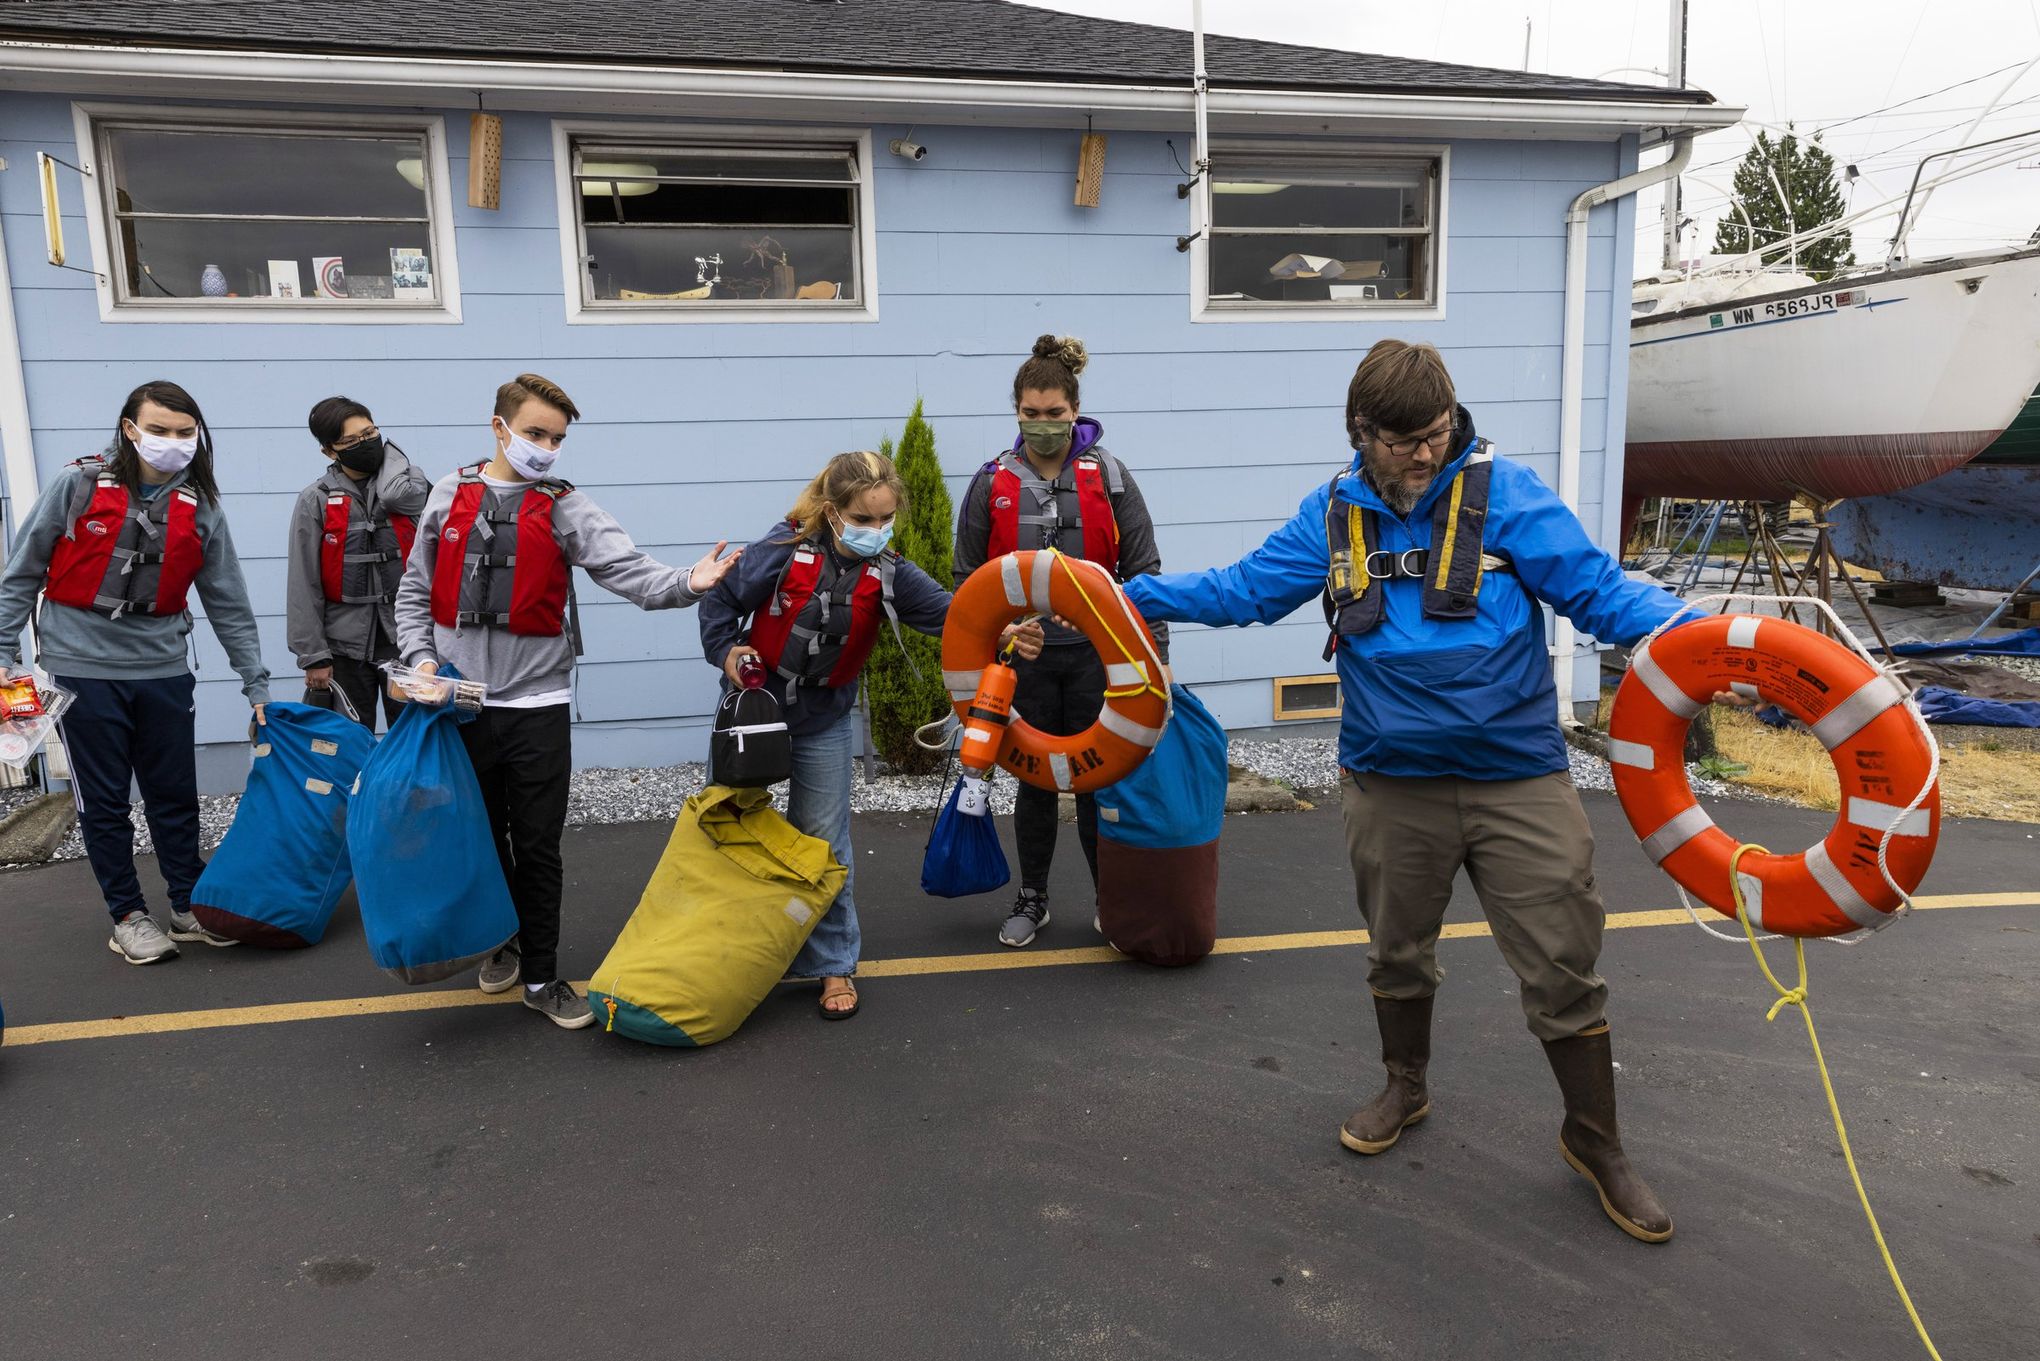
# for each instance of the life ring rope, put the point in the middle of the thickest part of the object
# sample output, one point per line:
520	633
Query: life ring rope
1883	692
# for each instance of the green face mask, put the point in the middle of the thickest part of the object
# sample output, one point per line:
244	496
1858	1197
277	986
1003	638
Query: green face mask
1045	439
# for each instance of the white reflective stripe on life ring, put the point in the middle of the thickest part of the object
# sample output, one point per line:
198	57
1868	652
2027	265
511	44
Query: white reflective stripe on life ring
1120	674
1059	766
1119	725
1742	631
1009	577
1853	714
1880	817
1684	826
1044	573
1838	888
963	685
1659	684
1621	752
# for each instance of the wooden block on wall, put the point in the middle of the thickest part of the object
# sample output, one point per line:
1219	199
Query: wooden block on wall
1090	169
485	161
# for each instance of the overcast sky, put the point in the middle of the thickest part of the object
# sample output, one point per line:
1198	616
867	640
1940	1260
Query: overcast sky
1812	63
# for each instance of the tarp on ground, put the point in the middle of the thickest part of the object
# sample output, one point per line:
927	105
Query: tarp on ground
2024	643
1942	705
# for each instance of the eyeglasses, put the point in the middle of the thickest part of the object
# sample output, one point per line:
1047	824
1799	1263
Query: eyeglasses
358	438
1437	441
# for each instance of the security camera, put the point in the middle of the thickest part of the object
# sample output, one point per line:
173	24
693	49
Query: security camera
911	151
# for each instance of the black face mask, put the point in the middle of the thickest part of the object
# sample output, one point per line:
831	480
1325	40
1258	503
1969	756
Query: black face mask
365	458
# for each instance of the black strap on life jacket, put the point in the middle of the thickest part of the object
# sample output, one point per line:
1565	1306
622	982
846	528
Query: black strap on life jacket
801	661
1450	570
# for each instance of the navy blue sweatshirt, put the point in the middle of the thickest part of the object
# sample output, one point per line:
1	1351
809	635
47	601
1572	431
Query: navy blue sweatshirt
727	609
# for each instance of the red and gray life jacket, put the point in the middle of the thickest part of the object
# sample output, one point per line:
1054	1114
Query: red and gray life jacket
1450	569
822	621
125	554
1029	513
502	567
362	552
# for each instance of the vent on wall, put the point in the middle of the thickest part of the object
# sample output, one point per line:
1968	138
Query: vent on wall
1299	697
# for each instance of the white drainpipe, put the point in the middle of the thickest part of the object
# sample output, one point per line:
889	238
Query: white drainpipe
16	444
1573	372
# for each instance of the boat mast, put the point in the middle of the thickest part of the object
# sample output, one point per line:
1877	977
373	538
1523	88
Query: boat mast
1675	78
1909	219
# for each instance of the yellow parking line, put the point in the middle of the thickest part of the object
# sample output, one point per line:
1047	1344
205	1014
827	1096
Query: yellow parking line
167	1022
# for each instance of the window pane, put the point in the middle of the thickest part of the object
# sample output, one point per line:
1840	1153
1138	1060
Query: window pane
822	167
735	205
170	259
653	264
268	174
1403	202
1301	267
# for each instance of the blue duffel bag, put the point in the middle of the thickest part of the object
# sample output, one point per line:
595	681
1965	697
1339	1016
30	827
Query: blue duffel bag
1158	833
433	900
283	867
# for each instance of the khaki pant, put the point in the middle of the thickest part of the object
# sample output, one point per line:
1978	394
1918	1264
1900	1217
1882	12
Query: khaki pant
1527	848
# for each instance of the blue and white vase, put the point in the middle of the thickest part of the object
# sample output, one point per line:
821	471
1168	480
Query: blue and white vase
212	283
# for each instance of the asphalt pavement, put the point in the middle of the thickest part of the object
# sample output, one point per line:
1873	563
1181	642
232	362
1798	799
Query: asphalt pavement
1083	1160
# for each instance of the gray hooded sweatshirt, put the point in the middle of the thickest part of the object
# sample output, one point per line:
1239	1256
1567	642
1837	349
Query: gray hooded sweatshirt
319	629
514	666
83	643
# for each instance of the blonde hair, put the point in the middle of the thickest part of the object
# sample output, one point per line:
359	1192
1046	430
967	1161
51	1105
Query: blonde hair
1052	367
845	478
512	396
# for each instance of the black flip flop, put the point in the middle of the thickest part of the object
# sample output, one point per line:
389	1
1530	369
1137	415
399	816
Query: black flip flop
832	1014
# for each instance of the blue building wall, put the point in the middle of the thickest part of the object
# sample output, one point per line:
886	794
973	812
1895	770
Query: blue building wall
700	430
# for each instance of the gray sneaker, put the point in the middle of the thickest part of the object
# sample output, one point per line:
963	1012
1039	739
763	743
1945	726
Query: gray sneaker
1030	914
559	1003
138	940
501	971
185	927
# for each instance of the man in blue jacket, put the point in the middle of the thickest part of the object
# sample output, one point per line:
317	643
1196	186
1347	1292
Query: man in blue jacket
1432	556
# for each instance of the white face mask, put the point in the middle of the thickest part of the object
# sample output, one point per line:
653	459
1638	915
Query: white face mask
164	454
530	460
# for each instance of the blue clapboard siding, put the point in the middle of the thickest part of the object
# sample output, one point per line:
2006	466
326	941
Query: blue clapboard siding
696	432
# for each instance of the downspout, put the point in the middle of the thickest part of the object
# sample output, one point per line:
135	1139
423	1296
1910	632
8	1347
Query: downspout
17	445
1573	373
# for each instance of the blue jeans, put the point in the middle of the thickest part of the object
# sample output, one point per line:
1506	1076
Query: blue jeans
818	803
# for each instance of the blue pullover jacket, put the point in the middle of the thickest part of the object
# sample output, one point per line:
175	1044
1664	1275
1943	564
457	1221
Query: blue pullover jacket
1425	697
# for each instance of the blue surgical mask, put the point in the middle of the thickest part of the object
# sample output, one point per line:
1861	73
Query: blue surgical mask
864	541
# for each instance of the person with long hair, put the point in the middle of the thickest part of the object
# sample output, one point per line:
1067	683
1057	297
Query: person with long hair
1056	488
350	534
808	602
113	547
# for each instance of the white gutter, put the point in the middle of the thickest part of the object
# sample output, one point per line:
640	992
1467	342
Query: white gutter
1573	373
538	85
17	443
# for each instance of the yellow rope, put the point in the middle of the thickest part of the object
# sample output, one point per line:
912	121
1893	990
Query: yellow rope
1796	997
1147	685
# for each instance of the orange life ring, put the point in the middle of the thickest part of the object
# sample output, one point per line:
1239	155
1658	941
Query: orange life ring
981	687
1881	758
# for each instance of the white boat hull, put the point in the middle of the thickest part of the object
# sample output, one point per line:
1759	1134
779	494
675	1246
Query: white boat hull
1853	388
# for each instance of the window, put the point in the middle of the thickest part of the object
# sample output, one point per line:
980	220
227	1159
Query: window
1306	697
716	227
1323	230
216	218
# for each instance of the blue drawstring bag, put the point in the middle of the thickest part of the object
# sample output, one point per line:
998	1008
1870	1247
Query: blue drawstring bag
283	867
1158	833
433	900
964	857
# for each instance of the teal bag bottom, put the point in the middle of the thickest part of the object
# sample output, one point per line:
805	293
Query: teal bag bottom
634	1022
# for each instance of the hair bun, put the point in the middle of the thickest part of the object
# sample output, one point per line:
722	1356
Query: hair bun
1073	354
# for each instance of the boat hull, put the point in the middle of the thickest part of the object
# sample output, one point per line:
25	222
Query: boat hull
1851	389
1975	527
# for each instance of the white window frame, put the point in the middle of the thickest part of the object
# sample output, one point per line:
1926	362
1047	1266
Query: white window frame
101	225
736	312
1204	309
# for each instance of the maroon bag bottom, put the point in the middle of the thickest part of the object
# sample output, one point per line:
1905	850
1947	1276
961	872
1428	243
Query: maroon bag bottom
1159	906
246	930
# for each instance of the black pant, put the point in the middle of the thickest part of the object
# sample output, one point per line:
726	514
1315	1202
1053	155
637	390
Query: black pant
362	683
1060	692
139	731
523	758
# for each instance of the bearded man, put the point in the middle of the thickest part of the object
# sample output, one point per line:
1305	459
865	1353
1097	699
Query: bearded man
1432	556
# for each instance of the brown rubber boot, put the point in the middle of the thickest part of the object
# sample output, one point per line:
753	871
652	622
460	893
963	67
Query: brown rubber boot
1585	1068
1405	1053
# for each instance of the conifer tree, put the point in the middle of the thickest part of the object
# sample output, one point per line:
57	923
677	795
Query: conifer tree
925	535
1806	174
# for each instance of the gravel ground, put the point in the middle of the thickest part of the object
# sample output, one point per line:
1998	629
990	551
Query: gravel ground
1308	765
